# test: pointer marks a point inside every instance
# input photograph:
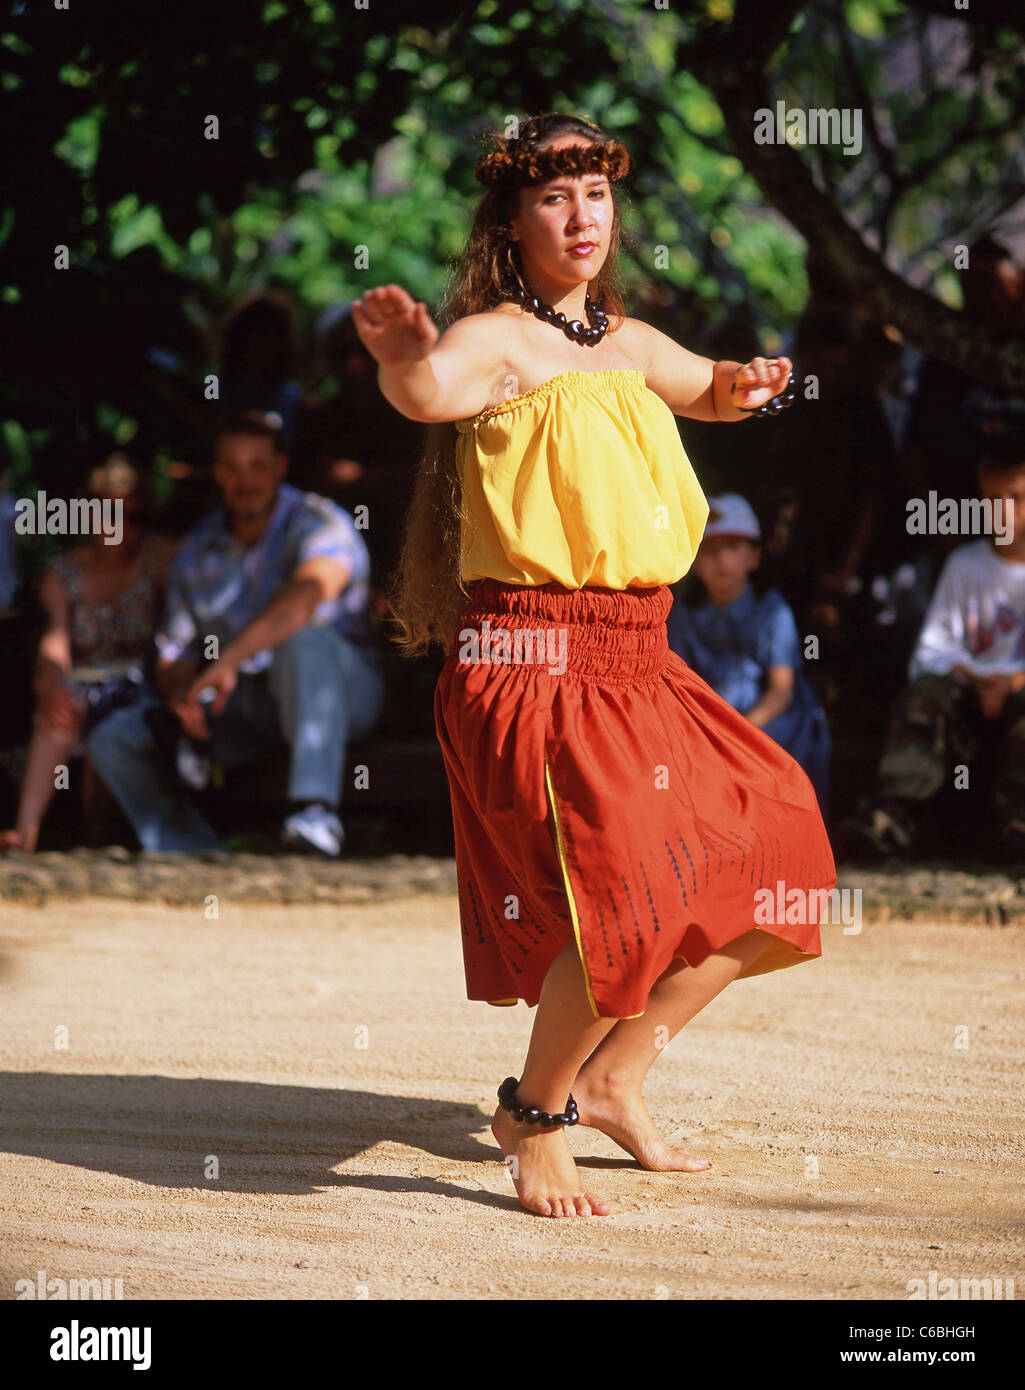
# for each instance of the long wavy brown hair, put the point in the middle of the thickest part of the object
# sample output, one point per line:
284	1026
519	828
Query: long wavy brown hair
425	592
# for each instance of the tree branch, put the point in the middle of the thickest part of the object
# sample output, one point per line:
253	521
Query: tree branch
965	344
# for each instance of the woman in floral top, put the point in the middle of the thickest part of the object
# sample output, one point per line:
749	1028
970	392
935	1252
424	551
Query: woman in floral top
102	602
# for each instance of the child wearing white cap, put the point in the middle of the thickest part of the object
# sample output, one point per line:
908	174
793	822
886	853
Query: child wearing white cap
746	645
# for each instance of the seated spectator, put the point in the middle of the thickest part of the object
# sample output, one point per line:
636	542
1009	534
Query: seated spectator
966	697
270	591
746	644
102	603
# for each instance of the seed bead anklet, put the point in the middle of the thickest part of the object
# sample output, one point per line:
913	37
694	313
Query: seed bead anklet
531	1115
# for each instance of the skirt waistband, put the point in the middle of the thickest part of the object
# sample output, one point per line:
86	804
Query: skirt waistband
608	633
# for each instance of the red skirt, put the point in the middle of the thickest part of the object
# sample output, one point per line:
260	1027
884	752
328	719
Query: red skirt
602	793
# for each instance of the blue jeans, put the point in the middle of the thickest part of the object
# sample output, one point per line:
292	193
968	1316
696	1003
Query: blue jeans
319	693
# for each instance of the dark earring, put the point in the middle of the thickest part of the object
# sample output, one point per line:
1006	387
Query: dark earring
512	266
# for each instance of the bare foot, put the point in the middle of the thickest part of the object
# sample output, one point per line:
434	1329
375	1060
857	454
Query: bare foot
624	1117
544	1174
11	839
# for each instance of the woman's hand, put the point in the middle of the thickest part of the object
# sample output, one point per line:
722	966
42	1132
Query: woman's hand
395	328
759	380
59	712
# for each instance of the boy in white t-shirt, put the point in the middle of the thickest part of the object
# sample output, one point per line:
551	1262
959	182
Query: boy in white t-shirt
966	700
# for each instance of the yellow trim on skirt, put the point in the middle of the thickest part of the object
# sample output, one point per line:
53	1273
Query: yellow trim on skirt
569	894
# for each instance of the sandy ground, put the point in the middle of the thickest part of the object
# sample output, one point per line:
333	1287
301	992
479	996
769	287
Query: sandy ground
329	1061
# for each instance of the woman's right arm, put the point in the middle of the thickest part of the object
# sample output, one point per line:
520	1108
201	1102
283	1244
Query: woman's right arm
427	377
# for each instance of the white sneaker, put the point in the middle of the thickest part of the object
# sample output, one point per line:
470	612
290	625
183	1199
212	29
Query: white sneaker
315	827
193	766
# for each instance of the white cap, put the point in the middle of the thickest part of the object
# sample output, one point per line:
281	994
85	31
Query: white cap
732	515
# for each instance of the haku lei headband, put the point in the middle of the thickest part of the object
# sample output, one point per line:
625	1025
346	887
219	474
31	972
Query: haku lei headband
513	167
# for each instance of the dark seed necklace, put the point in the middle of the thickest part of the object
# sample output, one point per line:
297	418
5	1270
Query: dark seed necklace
573	328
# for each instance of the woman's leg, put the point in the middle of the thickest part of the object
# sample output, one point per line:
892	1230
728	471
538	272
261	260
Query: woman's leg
46	751
608	1088
565	1033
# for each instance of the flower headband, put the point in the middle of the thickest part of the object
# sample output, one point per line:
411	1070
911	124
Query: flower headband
514	167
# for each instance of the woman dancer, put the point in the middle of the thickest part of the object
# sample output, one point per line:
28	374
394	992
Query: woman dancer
614	818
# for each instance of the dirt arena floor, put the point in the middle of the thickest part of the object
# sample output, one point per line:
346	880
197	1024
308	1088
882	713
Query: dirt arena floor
293	1102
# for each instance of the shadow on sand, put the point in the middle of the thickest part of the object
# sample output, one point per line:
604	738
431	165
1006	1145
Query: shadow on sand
266	1138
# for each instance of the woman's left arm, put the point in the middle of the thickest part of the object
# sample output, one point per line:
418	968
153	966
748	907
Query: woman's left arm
699	388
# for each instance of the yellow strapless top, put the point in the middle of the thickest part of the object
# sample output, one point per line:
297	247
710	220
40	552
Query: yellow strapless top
582	480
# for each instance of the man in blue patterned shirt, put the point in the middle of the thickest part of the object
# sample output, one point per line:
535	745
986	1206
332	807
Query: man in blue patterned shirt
271	591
